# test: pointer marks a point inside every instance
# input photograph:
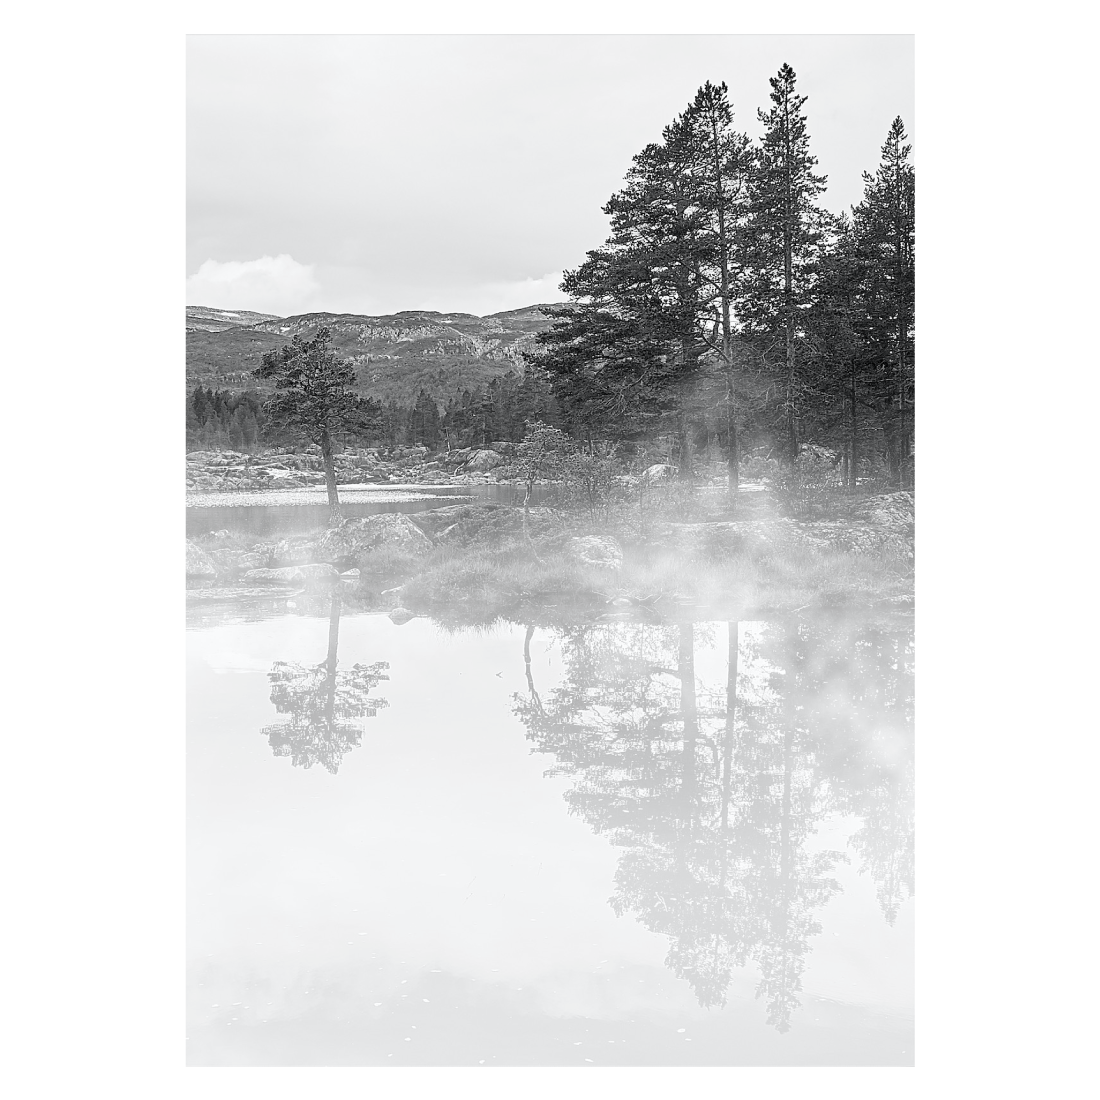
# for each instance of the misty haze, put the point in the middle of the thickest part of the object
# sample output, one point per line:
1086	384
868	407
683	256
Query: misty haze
550	486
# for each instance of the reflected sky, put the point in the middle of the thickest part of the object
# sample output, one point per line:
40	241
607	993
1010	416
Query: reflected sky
552	847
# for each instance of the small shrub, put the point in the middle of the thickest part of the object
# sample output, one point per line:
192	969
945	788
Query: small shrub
811	486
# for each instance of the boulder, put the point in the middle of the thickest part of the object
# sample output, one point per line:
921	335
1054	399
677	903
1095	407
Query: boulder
316	571
231	561
293	551
401	615
660	471
435	521
292	574
287	575
481	462
199	562
356	538
600	551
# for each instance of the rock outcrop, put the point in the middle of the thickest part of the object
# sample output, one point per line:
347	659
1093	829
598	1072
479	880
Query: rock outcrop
481	462
199	562
356	539
292	574
599	551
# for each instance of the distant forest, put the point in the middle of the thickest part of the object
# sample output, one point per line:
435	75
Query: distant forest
727	310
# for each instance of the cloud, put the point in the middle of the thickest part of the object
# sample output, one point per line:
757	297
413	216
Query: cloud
271	284
497	297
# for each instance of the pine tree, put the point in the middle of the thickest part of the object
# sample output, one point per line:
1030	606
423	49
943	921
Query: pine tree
251	430
884	228
198	404
719	178
192	426
783	239
314	397
424	421
629	348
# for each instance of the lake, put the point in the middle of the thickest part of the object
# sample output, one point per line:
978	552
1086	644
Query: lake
608	844
279	513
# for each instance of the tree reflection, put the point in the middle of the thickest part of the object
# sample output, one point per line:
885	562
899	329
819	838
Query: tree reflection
325	705
715	793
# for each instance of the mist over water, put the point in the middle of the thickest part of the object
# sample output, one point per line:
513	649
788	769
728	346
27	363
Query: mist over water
608	843
297	512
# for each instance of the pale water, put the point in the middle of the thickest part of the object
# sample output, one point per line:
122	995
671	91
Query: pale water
613	844
279	513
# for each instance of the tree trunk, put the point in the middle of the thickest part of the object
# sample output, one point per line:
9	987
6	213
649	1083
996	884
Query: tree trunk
853	443
733	456
685	463
687	375
334	515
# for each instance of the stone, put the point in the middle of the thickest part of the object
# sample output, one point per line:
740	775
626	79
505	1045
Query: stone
659	471
231	561
401	615
199	562
599	551
356	538
481	462
287	575
316	571
351	574
294	551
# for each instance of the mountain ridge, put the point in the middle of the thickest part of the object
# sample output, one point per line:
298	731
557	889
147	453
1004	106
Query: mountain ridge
398	354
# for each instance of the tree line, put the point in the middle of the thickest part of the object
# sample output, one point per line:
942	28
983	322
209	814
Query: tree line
500	410
727	308
728	303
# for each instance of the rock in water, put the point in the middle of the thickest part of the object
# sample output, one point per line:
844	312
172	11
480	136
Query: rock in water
356	538
293	574
199	562
601	551
286	575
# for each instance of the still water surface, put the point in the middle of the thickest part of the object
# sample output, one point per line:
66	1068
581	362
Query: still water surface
612	844
279	513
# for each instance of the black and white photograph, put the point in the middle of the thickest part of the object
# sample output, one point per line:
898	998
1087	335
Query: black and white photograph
550	491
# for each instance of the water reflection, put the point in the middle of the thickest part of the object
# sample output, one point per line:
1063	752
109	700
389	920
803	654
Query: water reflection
325	706
715	791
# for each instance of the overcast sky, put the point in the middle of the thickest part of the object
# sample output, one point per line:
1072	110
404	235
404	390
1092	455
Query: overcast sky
372	174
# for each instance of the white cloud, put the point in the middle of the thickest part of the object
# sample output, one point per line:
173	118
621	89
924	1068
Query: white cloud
271	284
489	298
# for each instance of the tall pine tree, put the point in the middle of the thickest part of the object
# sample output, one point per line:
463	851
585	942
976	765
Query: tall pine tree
784	235
884	225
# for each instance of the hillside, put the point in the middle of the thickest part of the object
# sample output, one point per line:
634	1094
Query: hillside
207	319
397	355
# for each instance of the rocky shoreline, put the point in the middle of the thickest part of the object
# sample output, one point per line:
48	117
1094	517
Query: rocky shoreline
467	552
231	470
